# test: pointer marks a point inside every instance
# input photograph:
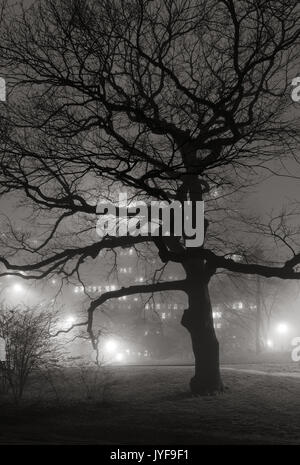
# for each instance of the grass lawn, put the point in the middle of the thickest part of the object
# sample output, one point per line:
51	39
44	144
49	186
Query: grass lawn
149	405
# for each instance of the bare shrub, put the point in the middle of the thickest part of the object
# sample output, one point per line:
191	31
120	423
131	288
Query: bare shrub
29	345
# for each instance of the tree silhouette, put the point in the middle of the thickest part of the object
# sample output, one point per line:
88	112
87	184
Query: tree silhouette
162	99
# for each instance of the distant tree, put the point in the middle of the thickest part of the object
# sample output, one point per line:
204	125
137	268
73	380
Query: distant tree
164	99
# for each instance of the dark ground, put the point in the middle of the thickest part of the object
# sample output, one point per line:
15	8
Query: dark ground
148	405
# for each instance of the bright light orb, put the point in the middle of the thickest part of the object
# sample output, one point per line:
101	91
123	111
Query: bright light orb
120	357
70	320
270	343
18	288
282	328
111	346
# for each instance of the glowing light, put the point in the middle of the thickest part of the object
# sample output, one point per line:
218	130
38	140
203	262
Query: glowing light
70	320
217	315
270	343
120	357
111	346
18	288
238	306
282	328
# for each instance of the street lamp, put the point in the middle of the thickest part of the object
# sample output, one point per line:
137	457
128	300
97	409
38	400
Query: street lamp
120	357
282	328
111	346
18	288
70	320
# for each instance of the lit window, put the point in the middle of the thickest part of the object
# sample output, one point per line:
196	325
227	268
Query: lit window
217	315
238	306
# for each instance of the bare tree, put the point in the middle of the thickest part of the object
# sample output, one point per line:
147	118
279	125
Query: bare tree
29	345
164	99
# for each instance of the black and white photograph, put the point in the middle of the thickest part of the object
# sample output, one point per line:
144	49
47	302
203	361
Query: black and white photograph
149	225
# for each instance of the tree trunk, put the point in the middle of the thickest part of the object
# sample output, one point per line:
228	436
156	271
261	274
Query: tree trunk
198	320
